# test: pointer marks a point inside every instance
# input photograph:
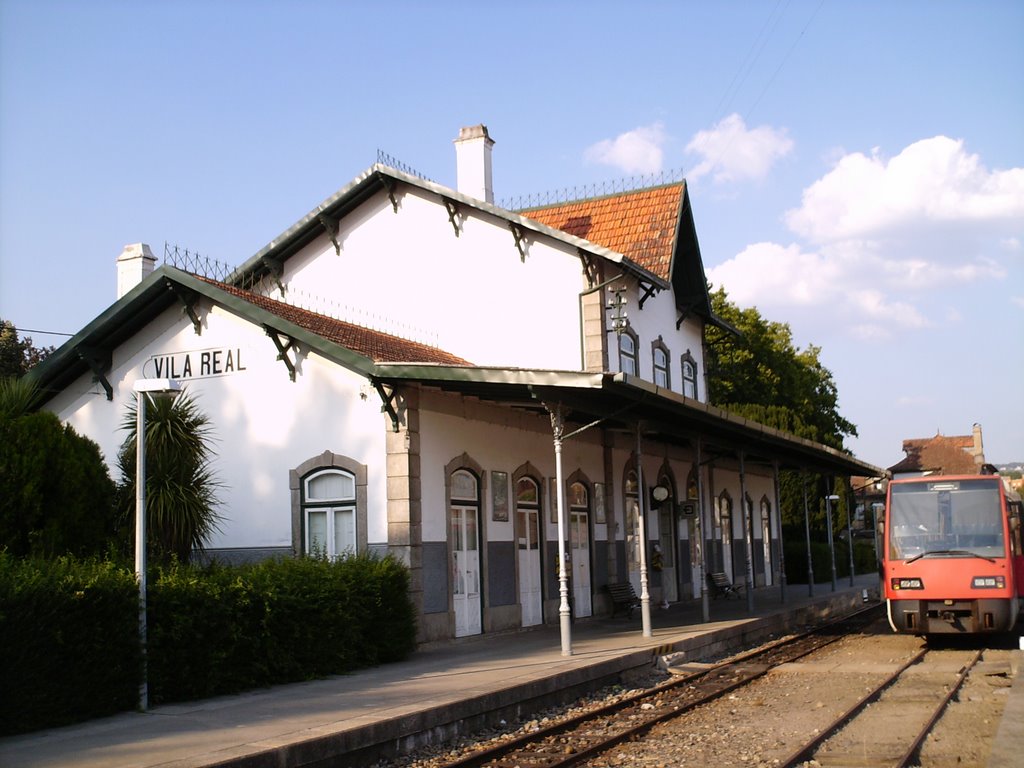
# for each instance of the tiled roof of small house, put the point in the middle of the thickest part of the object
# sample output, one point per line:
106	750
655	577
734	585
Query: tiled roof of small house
641	224
948	454
376	345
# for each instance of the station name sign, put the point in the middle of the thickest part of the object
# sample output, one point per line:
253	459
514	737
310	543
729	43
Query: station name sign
196	364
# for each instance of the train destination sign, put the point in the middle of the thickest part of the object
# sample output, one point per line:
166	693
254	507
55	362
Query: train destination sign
195	364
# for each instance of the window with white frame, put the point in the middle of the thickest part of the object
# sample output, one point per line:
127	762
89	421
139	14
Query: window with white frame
627	352
689	375
329	512
661	357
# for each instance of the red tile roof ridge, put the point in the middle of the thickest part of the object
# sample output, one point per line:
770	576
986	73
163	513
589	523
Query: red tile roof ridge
378	346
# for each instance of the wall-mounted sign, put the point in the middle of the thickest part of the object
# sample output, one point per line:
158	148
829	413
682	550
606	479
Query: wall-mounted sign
196	364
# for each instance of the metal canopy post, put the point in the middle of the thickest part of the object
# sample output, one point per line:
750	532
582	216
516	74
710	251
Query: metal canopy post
645	595
831	542
748	534
778	517
705	604
849	530
807	530
564	617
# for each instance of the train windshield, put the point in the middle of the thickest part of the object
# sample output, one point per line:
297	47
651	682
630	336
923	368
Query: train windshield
946	518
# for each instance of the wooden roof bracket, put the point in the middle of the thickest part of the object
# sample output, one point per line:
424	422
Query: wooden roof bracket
390	186
453	211
276	270
520	237
283	349
684	313
388	400
589	267
189	299
98	361
649	289
330	225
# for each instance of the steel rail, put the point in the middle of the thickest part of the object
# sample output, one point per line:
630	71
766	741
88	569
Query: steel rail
912	751
807	751
495	755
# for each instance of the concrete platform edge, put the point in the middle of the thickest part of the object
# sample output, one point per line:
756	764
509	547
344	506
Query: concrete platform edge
362	745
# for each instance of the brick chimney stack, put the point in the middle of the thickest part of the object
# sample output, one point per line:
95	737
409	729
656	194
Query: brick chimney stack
473	163
134	264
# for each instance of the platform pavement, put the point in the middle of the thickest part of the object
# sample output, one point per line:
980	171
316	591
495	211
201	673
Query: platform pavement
440	690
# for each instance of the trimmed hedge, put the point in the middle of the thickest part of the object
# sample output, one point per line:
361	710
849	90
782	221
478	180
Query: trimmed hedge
796	559
68	631
68	641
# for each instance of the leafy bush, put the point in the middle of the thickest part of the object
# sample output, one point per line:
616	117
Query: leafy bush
69	631
68	641
56	497
224	629
796	559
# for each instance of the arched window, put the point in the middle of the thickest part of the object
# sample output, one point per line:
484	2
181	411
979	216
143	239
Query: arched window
689	375
329	502
661	357
627	352
329	509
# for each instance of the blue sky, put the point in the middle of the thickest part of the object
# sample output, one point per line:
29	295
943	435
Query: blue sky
856	169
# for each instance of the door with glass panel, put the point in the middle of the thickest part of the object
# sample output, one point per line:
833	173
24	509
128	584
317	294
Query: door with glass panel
766	540
632	505
579	549
528	548
725	505
465	544
667	542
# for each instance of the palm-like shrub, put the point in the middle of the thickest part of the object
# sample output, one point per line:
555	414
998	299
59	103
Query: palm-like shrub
181	488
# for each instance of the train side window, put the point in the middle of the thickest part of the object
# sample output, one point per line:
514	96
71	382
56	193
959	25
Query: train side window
1016	515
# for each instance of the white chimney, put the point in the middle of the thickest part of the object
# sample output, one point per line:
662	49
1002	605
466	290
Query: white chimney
133	265
473	163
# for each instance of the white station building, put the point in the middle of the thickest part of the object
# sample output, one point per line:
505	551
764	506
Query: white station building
565	341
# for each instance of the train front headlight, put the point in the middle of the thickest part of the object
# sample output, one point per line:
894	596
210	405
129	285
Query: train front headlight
988	582
907	583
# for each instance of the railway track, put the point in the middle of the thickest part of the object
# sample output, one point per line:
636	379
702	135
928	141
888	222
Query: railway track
579	738
919	710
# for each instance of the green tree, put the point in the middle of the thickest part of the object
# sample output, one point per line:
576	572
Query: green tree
56	496
181	488
762	375
17	356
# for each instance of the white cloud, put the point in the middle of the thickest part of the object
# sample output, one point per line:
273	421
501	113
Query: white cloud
930	182
1017	300
732	153
887	246
785	281
636	151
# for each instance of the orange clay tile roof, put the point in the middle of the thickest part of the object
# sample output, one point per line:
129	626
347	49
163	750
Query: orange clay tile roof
376	345
641	225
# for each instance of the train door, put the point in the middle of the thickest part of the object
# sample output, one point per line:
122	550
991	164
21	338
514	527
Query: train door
529	548
465	544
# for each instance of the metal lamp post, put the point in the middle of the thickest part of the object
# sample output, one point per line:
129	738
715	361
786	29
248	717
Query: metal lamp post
831	543
144	388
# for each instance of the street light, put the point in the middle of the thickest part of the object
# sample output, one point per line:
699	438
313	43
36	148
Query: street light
831	544
144	388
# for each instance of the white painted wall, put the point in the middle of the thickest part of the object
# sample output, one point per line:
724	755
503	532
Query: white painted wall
473	291
658	318
264	423
444	436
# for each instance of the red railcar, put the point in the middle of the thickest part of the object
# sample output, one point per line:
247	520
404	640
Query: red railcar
951	558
